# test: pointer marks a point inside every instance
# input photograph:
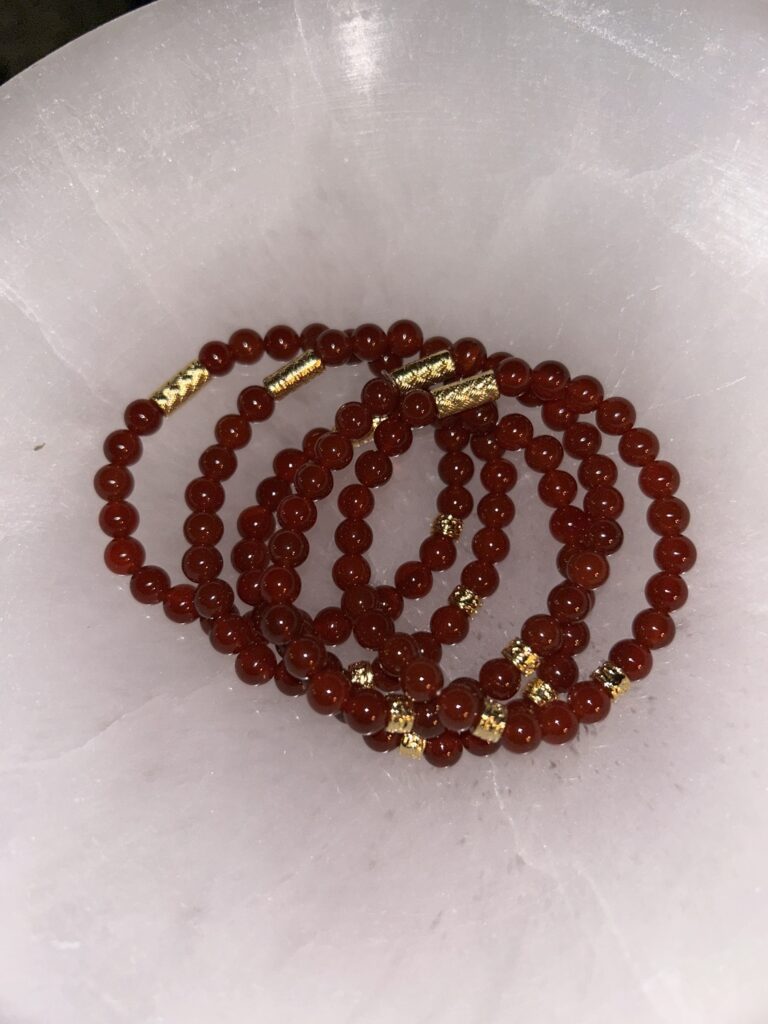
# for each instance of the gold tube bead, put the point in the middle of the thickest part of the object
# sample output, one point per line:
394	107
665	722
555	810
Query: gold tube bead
423	373
466	394
540	693
412	745
360	673
447	526
466	599
293	374
401	715
523	657
181	387
493	718
612	678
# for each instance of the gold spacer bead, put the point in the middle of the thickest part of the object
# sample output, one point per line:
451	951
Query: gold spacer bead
540	693
447	526
612	678
181	387
412	745
523	657
401	715
466	599
493	718
466	394
424	372
360	673
293	374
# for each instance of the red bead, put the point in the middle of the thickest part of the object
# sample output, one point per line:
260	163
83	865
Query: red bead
615	416
150	584
373	468
246	346
369	342
421	679
111	482
382	742
389	602
574	637
568	602
313	481
418	408
549	379
327	692
497	510
311	333
566	524
658	479
217	462
288	684
456	468
480	748
451	436
515	432
143	417
119	519
249	554
282	342
583	394
498	476
332	626
405	338
255	403
557	415
279	623
458	707
513	376
480	577
371	629
280	585
333	347
427	646
489	545
396	652
444	750
124	556
413	580
288	462
356	501
228	634
217	358
603	502
233	431
598	469
638	446
366	711
521	732
588	569
271	491
123	447
350	571
425	719
557	488
256	664
355	601
559	671
557	722
542	633
303	657
603	535
201	564
333	450
544	453
582	440
204	495
249	587
455	501
255	522
481	418
297	513
288	547
449	625
393	436
437	553
381	396
666	592
353	536
499	679
179	603
214	598
675	554
469	355
653	628
668	516
589	701
633	658
354	420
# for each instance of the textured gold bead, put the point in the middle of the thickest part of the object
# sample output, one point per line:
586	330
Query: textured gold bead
540	693
360	673
523	657
447	525
493	718
181	387
612	678
466	599
401	715
412	745
293	374
466	394
424	372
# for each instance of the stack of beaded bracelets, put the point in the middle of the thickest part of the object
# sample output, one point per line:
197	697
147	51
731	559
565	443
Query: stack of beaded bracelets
397	697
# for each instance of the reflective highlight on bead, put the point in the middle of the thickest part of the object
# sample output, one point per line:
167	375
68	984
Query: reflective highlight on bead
297	371
612	678
523	657
492	720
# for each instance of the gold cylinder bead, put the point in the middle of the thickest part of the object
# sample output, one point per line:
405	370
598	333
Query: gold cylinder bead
412	745
360	673
181	387
293	374
401	715
540	693
466	599
466	394
493	718
612	679
423	373
447	526
523	657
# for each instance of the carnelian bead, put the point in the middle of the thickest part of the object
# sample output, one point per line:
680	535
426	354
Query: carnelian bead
150	584
480	748
279	623
297	513
143	416
615	415
333	347
393	436
123	447
557	415
112	481
444	750
119	519
396	652
557	722
179	603
255	403
332	626
246	346
354	420
668	516
451	436
437	343
583	394
310	439
582	440
588	569
675	554
548	379
389	602
357	600
469	354
380	395
521	732
333	450
589	701
288	462
271	491
515	431
559	670
455	501
303	657
653	628
353	536
603	502
638	446
217	358
568	602
427	646
373	468
228	634
632	657
485	445
350	571
481	418
256	664
574	637
217	462
201	564
603	535
542	633
418	408
564	555
496	510
281	342
513	376
666	592
498	476
371	629
233	431
280	585
421	679
598	469
480	577
204	495
383	680
313	481
499	679
566	524
248	554
124	555
366	710
425	720
288	684
489	545
405	338
311	333
456	468
437	553
458	707
249	587
369	342
327	692
255	522
413	580
356	501
449	625
557	488
544	453
658	479
382	742
214	598
288	547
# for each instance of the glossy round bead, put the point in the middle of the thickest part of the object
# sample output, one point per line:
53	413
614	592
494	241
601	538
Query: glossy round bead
568	602
405	338
521	732
444	750
255	522
589	702
557	415
233	431
288	462
381	396
675	554
355	601
246	346
583	394
587	569
217	358
549	379
366	711
124	555
327	692
632	657
668	516
397	652
249	554
373	468
544	453
480	577
389	601
496	510
393	436
214	598
271	491
603	502
421	679
582	440
228	634
638	446
455	501
566	524
288	547
437	553
513	376
418	408
371	629
282	342
382	742
204	495
333	347
279	623
256	664
119	519
413	580
201	563
489	545
288	684
515	432
557	488
332	626
451	436
604	536
499	679
356	501
469	354
113	482
217	462
481	418
426	722
458	707
280	585
143	417
559	670
498	476
353	536
369	342
574	637
333	450
255	404
179	603
350	571
354	420
479	747
666	592
557	722
653	628
123	447
615	416
297	513
542	633
313	481
658	479
150	584
456	468
449	625
303	657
